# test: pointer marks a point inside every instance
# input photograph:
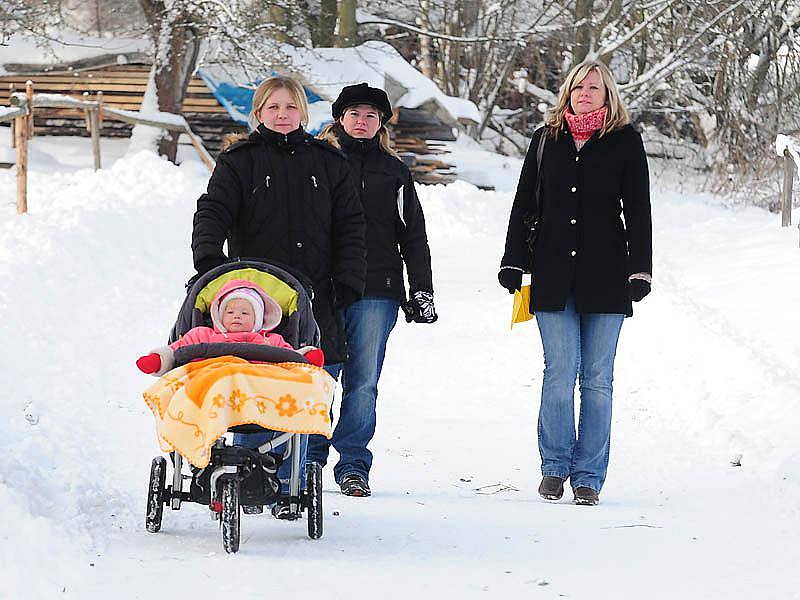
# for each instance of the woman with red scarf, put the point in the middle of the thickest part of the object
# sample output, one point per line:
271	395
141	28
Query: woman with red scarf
587	265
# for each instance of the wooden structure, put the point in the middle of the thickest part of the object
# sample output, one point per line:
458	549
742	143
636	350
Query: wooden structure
122	87
789	170
415	133
789	149
22	111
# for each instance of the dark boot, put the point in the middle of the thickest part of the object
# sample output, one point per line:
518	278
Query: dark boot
355	485
551	488
586	496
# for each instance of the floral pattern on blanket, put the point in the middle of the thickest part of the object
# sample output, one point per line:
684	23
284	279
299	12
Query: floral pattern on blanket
197	403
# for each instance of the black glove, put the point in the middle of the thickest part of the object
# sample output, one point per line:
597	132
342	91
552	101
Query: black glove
345	296
419	308
205	265
510	278
639	289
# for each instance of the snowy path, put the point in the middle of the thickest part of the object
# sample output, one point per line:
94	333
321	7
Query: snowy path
708	369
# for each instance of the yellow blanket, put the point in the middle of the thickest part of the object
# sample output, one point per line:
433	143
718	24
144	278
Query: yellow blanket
195	404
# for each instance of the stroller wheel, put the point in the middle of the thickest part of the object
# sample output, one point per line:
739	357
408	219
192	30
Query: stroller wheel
155	494
314	500
230	517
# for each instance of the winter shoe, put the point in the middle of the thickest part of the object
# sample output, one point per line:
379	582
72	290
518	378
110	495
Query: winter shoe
252	510
551	488
586	496
355	485
282	510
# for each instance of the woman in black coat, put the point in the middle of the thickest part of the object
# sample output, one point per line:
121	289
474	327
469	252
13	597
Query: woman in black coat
395	236
587	266
285	197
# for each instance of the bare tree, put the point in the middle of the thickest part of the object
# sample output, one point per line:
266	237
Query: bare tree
177	42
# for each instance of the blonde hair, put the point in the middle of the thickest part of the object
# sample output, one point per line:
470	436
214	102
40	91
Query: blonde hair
269	85
328	134
616	113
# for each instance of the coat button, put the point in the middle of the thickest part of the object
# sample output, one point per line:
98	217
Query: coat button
299	244
577	158
572	221
573	253
574	189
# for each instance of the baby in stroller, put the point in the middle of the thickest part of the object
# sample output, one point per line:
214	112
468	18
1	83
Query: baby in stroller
240	376
241	312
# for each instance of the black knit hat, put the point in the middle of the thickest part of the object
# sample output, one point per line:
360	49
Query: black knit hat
362	94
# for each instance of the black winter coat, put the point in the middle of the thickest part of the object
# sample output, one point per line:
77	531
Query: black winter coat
583	248
395	222
289	199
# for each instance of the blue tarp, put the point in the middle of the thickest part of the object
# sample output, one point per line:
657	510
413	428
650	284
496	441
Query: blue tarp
237	100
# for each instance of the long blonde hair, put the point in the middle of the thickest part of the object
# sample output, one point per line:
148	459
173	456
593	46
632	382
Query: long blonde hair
616	113
269	85
328	134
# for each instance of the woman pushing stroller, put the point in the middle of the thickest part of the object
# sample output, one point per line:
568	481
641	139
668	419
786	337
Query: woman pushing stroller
282	196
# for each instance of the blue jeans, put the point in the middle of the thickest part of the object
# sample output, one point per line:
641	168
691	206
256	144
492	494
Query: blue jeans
368	324
254	440
577	346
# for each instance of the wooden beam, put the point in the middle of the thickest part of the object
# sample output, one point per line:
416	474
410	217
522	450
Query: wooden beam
201	150
789	169
20	132
94	129
29	94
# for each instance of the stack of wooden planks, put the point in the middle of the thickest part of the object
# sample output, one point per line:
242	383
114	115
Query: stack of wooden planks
415	133
123	87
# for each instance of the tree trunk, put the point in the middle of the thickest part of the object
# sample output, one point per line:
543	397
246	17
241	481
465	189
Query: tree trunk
583	33
175	57
348	29
425	59
326	25
281	21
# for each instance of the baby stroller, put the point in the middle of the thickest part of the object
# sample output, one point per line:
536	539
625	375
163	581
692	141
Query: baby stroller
228	476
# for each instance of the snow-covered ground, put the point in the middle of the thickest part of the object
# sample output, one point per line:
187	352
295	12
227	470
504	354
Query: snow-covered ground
708	374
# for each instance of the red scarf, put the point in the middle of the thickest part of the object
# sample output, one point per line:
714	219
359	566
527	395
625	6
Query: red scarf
582	127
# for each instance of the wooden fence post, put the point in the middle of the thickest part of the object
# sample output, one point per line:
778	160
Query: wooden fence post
21	135
29	94
100	108
94	129
11	89
788	178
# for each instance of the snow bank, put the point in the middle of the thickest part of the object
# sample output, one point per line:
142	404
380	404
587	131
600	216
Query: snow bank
706	373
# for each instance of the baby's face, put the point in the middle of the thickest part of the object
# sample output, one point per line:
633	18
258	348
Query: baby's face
238	316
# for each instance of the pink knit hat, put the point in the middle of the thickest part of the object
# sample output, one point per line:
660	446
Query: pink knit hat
267	312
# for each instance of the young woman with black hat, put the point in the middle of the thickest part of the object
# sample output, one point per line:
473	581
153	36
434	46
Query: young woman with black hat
395	235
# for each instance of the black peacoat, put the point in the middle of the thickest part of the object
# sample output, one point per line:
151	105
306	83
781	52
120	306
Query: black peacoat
583	247
289	199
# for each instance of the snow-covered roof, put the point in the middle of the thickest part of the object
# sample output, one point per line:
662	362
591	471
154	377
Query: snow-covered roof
326	71
24	54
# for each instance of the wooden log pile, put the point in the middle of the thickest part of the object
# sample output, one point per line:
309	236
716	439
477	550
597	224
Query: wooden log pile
417	137
123	87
